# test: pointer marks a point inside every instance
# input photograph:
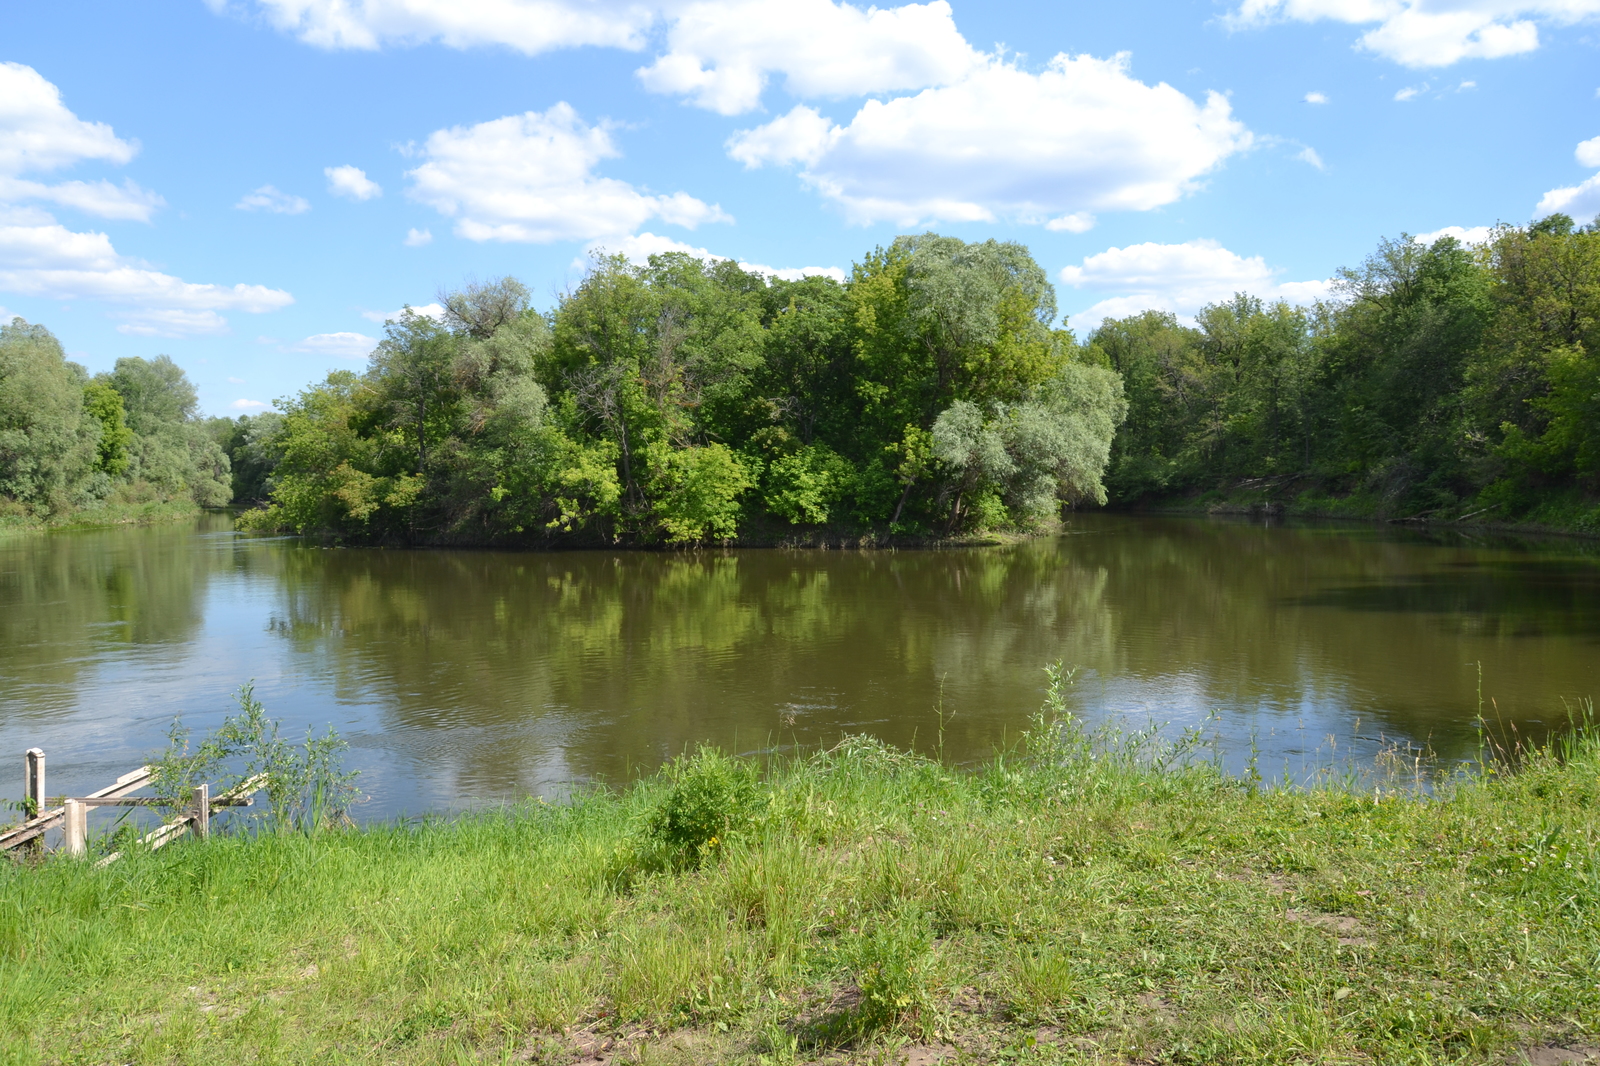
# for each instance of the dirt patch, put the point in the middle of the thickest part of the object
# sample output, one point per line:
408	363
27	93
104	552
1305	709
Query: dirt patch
1549	1055
1347	930
1277	884
928	1054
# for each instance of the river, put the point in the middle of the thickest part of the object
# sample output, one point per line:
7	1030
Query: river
464	678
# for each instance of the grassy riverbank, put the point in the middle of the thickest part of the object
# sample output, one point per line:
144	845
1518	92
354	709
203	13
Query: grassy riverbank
144	513
1088	902
1569	513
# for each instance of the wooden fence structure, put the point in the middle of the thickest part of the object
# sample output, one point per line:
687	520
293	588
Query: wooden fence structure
73	813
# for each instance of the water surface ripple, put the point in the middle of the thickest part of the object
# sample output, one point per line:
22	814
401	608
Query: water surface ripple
463	678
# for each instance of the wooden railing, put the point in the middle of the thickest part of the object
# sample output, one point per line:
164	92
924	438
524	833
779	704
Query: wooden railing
73	814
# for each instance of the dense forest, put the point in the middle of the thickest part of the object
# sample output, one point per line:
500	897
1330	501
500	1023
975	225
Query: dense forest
1440	381
931	394
117	444
684	402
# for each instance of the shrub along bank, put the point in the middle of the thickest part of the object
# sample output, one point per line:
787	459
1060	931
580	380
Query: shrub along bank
1077	901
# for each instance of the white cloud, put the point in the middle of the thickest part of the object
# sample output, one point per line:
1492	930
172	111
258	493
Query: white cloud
1581	201
351	182
433	311
1464	234
125	201
639	247
268	198
173	323
1464	86
1309	155
720	53
416	238
236	381
47	259
1316	98
247	405
529	26
1081	136
1410	92
1430	33
1077	222
1181	278
530	178
339	345
38	132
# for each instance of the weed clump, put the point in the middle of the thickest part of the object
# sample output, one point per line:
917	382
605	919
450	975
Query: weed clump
893	968
712	799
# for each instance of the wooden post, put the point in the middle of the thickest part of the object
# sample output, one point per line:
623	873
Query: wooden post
202	811
33	789
77	828
33	780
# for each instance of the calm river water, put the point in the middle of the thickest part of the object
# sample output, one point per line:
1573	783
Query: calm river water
464	678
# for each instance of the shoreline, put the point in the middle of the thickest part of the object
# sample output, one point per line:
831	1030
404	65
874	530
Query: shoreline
1076	900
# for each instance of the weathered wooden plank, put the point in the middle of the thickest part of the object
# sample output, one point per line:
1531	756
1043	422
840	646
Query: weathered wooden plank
131	781
32	828
123	801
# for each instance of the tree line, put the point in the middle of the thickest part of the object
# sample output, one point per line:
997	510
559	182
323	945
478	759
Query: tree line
932	393
684	401
1438	380
71	442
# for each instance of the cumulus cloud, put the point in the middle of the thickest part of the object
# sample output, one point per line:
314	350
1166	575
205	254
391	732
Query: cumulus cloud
39	133
247	405
173	323
1309	155
1079	137
269	198
41	257
433	311
1316	98
1581	201
416	238
1464	234
528	26
720	53
530	177
126	201
639	247
1410	92
47	259
1180	278
1430	33
339	345
351	182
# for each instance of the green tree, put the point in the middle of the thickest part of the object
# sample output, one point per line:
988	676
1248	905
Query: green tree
48	442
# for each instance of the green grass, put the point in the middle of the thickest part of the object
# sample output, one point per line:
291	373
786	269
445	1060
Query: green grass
1080	901
15	520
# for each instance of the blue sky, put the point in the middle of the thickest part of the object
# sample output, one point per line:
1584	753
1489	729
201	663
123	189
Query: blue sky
249	185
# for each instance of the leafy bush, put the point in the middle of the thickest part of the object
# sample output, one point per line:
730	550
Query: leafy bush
306	785
713	798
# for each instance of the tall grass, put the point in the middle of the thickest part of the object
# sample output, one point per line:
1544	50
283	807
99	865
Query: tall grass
1086	897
